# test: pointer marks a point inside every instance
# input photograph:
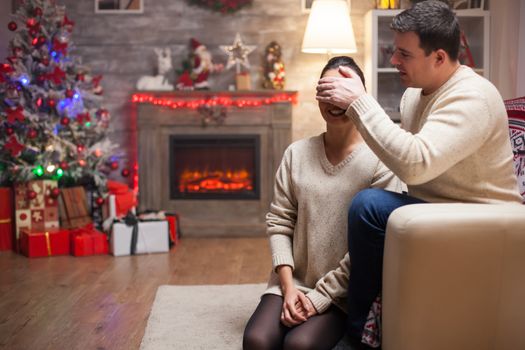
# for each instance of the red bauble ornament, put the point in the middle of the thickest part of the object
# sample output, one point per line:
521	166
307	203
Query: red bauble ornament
45	61
64	121
9	131
32	133
42	40
12	26
69	93
99	201
64	165
38	11
52	103
114	165
125	172
33	32
31	22
80	148
31	194
55	192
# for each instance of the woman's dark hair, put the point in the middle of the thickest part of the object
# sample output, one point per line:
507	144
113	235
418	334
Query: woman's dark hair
434	23
338	61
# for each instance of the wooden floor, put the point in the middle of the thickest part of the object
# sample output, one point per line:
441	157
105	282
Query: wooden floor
103	302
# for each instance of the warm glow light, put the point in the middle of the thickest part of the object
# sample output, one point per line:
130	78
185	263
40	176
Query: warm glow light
214	181
329	28
224	101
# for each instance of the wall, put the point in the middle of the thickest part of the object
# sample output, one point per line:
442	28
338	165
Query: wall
121	48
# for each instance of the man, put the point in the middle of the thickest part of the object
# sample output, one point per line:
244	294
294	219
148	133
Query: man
453	145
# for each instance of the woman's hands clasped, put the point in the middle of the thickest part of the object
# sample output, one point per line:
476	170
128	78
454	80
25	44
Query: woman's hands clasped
297	308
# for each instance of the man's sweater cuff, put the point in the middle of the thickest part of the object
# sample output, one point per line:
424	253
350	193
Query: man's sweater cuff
321	303
362	105
282	260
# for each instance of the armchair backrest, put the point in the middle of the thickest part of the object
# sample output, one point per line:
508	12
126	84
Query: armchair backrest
516	113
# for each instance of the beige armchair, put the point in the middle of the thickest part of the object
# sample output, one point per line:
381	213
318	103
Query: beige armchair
454	278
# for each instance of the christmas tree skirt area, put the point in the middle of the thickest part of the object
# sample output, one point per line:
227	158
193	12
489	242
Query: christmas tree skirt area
203	317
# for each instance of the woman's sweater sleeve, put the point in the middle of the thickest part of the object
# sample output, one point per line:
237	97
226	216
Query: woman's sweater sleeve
331	286
455	128
281	219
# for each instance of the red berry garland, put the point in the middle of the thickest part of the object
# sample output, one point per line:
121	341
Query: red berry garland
223	6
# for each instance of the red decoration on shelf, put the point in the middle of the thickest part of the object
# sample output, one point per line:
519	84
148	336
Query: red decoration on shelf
224	101
15	114
55	192
12	26
125	172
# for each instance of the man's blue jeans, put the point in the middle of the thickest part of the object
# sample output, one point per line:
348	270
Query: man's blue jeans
367	218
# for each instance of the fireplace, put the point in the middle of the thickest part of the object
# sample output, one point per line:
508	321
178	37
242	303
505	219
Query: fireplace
214	167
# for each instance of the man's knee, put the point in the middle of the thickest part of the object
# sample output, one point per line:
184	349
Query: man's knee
366	201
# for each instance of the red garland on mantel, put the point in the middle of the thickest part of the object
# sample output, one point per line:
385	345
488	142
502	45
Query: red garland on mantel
223	6
224	101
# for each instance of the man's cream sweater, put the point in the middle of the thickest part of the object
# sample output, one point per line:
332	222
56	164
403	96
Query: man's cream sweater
307	222
453	146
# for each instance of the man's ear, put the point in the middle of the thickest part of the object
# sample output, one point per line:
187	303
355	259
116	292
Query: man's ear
441	56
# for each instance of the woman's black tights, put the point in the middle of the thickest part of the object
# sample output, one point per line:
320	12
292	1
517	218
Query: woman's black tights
265	330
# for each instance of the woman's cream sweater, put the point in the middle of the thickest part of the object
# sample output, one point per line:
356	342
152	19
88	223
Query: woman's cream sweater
307	222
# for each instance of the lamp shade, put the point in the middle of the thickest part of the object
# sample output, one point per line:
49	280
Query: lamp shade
329	28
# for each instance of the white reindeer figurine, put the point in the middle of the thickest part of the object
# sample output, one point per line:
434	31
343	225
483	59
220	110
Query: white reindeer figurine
160	81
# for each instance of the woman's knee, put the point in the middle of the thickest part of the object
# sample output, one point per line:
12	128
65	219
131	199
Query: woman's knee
300	342
257	340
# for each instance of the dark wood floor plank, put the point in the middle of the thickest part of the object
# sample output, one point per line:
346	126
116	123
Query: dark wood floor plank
103	302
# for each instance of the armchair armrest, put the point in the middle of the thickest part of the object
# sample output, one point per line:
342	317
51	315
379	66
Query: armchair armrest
454	277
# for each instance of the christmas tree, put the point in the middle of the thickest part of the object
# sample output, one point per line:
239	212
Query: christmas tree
52	124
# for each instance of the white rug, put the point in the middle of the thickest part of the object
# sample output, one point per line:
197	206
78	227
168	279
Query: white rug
201	317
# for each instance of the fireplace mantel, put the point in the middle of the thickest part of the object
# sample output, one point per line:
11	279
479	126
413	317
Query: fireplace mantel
160	115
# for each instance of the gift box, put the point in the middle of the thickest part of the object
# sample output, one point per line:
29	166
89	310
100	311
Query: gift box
174	225
124	198
243	81
73	207
6	216
86	241
36	208
141	238
34	243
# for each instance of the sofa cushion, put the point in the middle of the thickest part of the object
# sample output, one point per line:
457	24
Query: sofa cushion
516	112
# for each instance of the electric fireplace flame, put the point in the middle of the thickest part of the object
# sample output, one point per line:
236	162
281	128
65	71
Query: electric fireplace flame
228	181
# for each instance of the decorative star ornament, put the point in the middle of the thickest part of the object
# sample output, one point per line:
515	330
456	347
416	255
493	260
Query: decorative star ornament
237	53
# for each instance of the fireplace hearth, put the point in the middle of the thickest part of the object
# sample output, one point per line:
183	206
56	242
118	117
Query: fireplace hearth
217	176
214	167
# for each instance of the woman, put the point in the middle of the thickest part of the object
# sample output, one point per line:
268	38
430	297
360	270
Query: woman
304	305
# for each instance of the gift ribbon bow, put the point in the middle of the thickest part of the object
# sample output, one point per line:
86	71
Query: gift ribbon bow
5	221
48	244
131	220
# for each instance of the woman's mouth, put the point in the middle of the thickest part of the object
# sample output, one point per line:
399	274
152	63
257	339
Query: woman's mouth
336	112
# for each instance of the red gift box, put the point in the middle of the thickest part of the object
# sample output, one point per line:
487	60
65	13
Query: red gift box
87	241
39	213
173	223
6	222
34	244
125	199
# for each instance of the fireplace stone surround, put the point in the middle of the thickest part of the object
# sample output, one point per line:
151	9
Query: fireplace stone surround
211	217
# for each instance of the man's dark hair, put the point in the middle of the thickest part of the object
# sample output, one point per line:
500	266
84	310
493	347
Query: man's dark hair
435	24
336	62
